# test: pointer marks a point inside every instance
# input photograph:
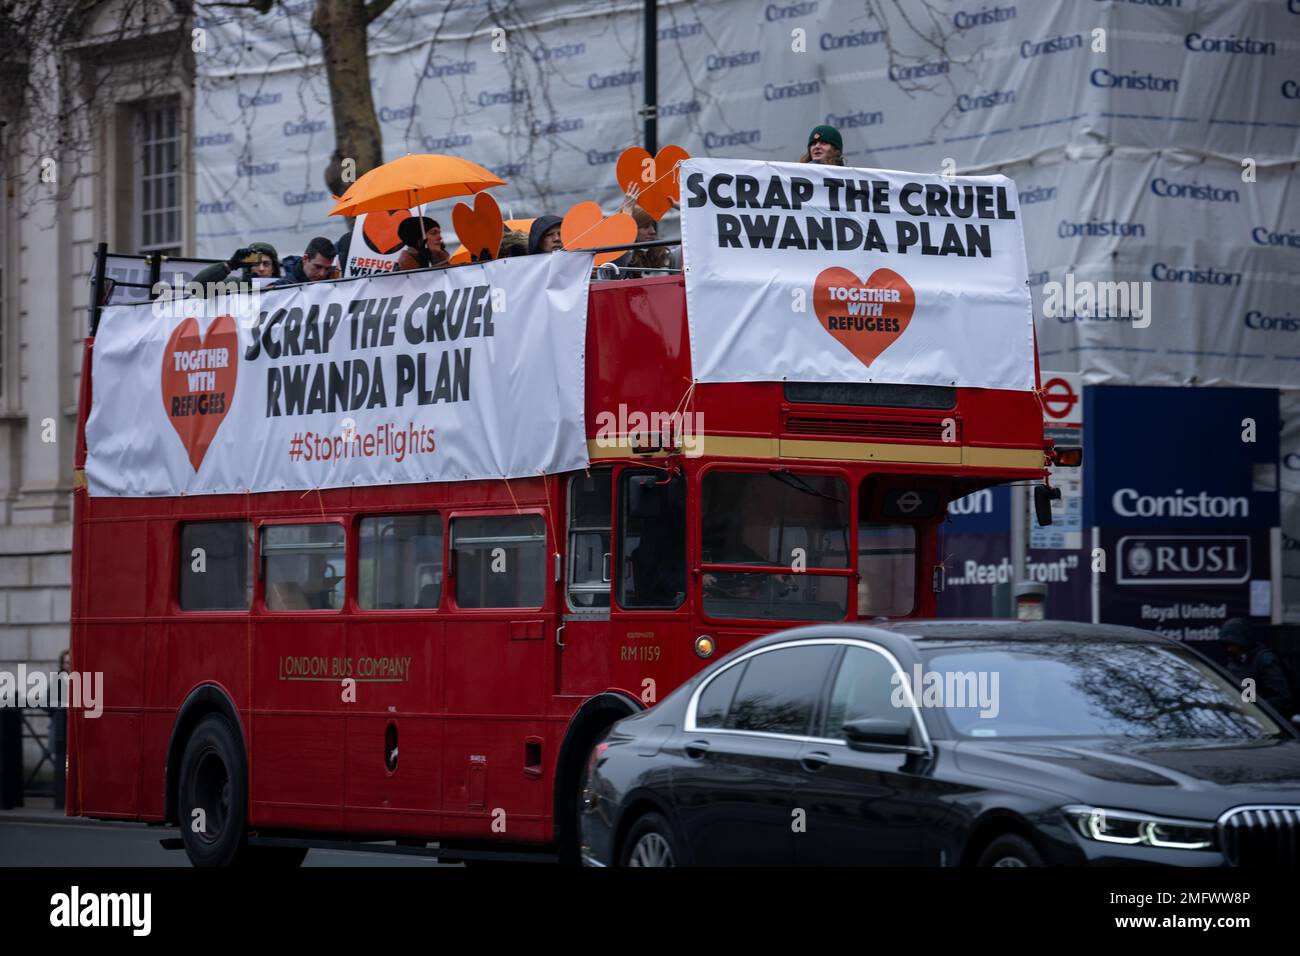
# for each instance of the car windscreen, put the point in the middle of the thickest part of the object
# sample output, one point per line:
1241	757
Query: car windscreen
1082	688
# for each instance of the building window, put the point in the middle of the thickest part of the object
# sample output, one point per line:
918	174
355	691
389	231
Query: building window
158	177
216	561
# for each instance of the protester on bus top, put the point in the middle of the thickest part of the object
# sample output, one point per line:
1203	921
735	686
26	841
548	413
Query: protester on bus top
258	260
426	253
315	264
657	258
825	146
544	236
630	264
342	246
513	243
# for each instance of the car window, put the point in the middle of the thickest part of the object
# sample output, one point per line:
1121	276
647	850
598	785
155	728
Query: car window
864	688
711	711
779	689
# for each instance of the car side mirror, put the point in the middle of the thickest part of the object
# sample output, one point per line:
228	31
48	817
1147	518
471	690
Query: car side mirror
869	733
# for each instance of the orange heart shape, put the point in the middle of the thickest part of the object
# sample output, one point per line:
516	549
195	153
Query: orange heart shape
479	229
657	177
585	228
198	381
380	231
865	317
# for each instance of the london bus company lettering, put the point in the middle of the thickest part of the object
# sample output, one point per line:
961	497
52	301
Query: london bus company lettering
310	667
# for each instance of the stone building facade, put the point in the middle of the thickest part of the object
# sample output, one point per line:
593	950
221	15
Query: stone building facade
96	151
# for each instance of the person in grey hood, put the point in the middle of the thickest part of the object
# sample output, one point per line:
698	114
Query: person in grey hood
544	236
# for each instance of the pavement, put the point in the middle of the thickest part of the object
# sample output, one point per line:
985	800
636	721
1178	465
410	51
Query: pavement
39	810
39	835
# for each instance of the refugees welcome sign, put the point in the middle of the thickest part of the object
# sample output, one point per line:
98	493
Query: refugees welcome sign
807	273
467	373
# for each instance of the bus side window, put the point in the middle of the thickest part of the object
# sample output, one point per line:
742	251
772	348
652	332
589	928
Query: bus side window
216	563
652	540
399	564
590	508
304	566
500	561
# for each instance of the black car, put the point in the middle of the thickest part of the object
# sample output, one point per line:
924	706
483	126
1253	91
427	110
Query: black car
942	743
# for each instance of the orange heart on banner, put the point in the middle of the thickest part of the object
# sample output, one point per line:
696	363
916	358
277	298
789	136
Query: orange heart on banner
198	381
656	177
865	317
585	228
479	229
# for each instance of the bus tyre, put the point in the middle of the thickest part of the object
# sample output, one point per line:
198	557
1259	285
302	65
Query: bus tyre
650	842
1010	850
213	796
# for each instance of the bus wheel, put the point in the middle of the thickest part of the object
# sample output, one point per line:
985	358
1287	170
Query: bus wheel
213	795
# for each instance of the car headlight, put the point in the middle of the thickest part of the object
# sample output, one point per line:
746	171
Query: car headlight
1140	829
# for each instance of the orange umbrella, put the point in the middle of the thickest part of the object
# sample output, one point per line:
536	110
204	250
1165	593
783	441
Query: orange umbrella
414	179
461	255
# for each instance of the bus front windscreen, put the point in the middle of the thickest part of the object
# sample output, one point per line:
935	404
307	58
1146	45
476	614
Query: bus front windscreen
791	528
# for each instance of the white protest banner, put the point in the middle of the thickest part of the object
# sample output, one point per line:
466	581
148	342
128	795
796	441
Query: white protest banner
468	373
800	272
375	245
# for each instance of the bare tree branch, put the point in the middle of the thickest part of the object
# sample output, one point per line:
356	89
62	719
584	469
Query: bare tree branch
376	9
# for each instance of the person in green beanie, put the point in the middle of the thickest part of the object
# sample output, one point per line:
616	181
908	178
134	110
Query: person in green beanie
258	259
825	146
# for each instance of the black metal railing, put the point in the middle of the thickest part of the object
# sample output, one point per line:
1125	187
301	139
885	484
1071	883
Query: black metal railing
103	286
47	729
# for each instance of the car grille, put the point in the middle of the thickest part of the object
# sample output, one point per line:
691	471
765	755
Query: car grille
1261	836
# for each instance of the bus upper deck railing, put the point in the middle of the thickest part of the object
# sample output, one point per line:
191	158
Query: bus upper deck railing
103	286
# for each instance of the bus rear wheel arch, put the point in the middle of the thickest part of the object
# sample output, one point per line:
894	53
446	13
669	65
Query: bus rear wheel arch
212	801
592	719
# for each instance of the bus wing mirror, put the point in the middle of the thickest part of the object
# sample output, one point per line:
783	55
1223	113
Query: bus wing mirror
1043	498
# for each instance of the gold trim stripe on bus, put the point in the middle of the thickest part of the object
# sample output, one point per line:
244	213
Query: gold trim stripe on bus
735	446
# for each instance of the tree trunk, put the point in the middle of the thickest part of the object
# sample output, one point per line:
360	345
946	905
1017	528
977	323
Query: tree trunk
341	26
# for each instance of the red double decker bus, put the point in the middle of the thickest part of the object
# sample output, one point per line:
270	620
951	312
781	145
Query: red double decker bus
490	630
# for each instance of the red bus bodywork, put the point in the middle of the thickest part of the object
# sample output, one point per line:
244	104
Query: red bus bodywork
494	714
